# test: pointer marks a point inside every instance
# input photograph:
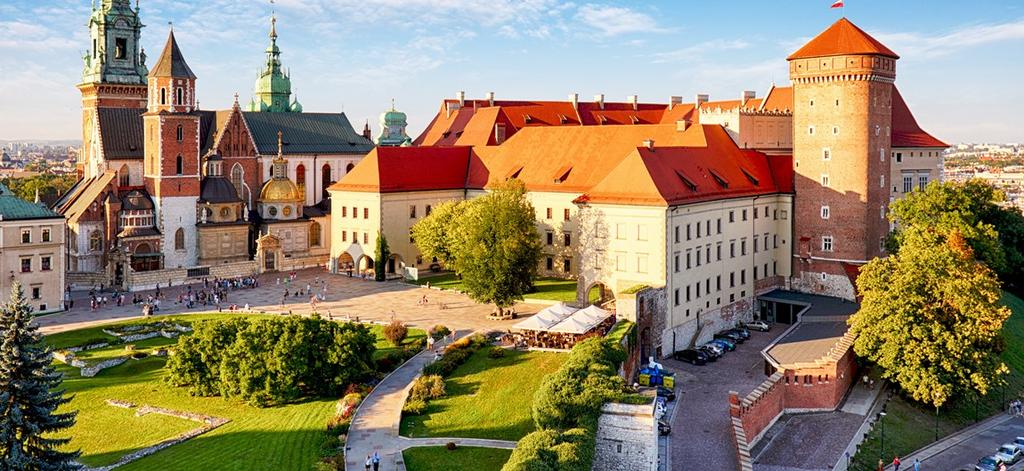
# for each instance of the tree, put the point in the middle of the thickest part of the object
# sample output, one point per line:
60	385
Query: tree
930	317
490	241
381	254
29	395
396	332
48	185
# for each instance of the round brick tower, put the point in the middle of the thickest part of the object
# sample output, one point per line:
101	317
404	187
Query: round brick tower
842	93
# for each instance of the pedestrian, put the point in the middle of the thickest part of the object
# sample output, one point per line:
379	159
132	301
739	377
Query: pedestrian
376	461
369	462
1002	466
917	464
896	463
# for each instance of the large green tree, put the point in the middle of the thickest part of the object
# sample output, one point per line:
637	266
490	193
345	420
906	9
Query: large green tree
491	241
381	254
48	185
931	318
29	395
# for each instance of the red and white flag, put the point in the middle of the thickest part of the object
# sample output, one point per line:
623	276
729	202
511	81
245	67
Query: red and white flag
838	4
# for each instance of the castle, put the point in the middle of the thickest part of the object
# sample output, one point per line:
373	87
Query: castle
170	191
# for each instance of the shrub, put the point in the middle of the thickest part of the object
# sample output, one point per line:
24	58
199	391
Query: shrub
330	447
347	404
496	352
451	446
427	387
330	463
439	331
139	355
396	332
338	425
414	407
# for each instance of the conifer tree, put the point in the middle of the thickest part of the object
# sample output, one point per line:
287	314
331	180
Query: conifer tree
29	397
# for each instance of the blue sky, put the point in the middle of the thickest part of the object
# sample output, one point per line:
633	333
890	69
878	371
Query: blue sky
960	70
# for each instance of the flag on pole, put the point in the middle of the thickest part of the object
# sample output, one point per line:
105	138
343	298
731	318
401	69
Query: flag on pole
838	4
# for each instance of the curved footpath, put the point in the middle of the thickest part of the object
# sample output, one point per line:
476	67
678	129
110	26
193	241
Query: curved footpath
376	421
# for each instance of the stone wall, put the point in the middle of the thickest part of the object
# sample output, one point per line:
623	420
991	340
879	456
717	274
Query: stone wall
90	371
298	263
81	280
627	438
142	280
835	284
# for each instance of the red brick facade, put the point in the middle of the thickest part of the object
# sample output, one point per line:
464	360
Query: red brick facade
102	95
236	147
171	165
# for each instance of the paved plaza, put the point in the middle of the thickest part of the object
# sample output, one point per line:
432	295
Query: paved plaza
346	296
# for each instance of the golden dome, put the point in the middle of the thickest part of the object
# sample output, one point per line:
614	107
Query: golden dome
280	190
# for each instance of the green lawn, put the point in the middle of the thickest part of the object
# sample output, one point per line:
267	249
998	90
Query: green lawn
486	398
285	437
438	458
909	426
553	289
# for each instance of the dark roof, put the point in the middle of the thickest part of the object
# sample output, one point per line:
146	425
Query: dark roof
14	208
136	200
217	190
821	327
172	62
121	133
207	129
138	232
305	133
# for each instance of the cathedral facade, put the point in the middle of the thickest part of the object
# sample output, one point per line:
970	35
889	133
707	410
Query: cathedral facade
169	191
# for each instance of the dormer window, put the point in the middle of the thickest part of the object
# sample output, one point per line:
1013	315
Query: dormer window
686	181
562	174
722	182
750	177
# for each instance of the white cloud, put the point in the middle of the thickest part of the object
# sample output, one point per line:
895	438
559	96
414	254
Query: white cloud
698	50
22	36
918	45
613	21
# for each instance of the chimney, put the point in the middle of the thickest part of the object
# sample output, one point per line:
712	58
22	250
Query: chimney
649	144
490	98
682	125
461	96
747	95
575	99
674	101
700	99
632	99
599	99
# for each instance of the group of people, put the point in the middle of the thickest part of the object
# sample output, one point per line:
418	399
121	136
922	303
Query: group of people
896	464
316	291
1017	407
373	461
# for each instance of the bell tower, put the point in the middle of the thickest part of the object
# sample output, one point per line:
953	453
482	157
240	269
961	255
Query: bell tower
273	90
842	119
114	69
171	161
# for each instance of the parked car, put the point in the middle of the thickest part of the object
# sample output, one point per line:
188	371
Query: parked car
988	463
1009	453
713	355
691	356
668	394
731	336
718	349
758	325
744	333
1019	441
664	428
726	344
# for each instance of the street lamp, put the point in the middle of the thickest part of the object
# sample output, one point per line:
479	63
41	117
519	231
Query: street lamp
881	450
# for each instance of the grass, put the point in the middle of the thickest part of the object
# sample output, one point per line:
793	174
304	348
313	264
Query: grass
551	289
620	330
438	458
910	426
486	398
284	437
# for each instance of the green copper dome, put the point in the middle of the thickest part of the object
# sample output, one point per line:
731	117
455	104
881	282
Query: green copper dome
392	128
273	89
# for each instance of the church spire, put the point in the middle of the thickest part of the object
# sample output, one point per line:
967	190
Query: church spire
273	90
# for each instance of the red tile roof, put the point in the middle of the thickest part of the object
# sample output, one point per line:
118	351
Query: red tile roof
778	99
905	130
400	169
843	37
668	176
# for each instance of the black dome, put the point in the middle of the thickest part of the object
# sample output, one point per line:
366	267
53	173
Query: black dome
218	190
136	200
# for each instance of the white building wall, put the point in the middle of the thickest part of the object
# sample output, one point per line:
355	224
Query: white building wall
175	212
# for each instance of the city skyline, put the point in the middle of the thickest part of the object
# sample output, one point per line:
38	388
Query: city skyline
419	52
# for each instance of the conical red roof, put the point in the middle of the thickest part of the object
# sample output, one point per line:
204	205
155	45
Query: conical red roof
843	37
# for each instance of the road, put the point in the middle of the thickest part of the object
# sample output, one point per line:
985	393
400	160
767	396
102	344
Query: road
965	451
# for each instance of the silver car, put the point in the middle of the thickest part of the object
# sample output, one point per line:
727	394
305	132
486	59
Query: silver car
1009	453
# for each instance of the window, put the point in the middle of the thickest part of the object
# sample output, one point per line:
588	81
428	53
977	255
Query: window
881	211
698	230
163	96
36	292
675	297
551	238
675	262
300	176
743	246
366	213
688	296
732	248
566	265
355	212
549	213
26	265
120	48
881	181
824	180
826	154
641	232
676	234
899	157
689	255
755	273
565	214
620	262
689	233
427	210
44	263
826	243
237	175
180	134
366	238
878	129
46	235
732	279
718	224
412	211
743	276
95	241
718	282
179	97
344	211
812	102
698	257
26	236
344	236
810	130
755	245
179	239
824	212
620	231
549	263
718	252
732	216
179	165
567	239
325	176
314	234
881	154
744	214
922	181
908	183
835	130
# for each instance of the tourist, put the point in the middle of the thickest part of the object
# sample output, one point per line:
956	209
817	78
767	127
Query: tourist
369	462
896	463
881	465
917	464
376	461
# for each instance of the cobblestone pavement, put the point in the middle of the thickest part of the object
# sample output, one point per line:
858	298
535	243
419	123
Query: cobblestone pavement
701	436
353	297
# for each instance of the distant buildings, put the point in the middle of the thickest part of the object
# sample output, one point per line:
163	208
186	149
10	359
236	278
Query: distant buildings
32	251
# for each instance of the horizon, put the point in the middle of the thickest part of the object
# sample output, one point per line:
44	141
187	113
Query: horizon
952	55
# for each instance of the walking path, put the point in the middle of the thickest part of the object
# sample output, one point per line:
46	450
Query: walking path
376	421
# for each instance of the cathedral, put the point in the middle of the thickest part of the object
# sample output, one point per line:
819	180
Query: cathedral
169	191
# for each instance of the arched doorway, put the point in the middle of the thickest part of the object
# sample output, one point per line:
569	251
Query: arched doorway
395	264
599	294
645	344
349	167
345	263
365	264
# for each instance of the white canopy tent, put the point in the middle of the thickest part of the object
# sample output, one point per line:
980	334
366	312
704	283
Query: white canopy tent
546	318
582	321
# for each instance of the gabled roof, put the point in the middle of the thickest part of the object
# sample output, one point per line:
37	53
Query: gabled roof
121	133
905	130
305	133
171	62
843	37
13	208
91	192
778	99
400	169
